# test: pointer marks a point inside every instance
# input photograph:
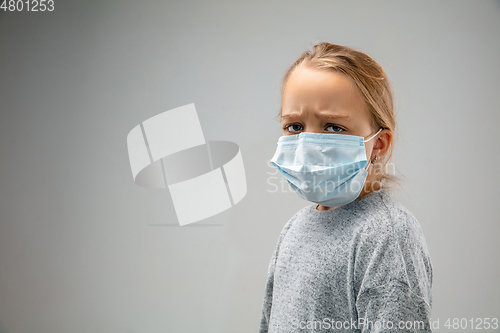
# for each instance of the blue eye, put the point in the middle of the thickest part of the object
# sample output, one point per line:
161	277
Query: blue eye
294	128
334	128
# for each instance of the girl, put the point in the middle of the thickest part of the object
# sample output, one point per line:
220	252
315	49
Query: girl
354	259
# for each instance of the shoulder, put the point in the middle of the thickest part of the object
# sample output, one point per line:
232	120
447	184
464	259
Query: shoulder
387	217
393	224
303	211
395	231
283	234
404	225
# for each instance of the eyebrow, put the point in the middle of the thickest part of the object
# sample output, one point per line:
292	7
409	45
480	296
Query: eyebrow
321	116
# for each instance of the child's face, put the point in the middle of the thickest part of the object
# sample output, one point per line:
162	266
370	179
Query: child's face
321	101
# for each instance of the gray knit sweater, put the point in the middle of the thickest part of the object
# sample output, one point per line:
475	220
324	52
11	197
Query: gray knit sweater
361	267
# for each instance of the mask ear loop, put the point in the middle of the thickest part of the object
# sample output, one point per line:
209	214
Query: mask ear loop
374	135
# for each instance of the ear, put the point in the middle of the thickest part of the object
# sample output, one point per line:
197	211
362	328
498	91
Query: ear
382	144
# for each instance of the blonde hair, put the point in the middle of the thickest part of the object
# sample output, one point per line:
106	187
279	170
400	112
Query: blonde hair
372	82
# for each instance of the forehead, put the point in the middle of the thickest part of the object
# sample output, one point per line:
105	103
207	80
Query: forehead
319	90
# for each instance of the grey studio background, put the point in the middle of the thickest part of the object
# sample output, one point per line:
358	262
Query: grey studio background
84	249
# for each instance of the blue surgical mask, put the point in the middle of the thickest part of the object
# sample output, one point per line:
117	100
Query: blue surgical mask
327	169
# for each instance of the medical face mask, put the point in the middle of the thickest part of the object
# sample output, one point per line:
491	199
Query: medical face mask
327	169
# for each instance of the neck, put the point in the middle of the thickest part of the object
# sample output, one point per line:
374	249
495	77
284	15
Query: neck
369	187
